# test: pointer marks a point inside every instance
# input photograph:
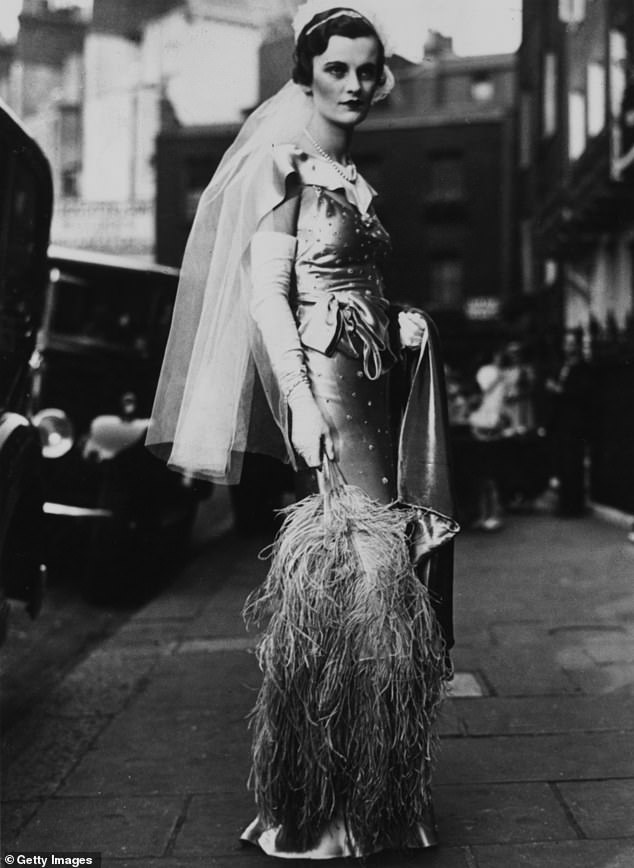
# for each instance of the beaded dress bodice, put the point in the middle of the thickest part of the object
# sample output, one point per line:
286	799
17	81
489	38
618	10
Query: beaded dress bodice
338	294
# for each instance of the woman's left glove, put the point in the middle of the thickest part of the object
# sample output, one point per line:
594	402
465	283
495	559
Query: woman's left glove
272	256
310	433
412	329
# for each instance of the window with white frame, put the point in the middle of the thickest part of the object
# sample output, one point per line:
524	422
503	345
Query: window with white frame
526	130
550	94
482	87
447	278
576	124
572	11
596	98
446	177
618	71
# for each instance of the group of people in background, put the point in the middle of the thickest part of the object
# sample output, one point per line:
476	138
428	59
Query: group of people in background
520	434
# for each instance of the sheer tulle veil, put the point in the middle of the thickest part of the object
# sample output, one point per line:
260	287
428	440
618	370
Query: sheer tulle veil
216	397
214	364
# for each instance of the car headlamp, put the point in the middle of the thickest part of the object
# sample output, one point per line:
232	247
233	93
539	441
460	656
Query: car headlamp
56	432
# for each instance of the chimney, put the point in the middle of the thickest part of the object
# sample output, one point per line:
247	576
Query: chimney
437	45
35	7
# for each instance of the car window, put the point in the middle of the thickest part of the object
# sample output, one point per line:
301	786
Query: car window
22	237
122	310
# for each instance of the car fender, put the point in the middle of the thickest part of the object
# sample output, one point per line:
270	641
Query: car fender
109	435
21	511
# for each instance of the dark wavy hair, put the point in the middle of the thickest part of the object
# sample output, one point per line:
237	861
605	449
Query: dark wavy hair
316	42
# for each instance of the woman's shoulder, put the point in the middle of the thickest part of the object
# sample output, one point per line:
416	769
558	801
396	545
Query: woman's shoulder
275	163
291	158
288	156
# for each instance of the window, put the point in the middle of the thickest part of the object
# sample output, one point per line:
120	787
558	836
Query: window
526	130
527	255
446	275
572	11
482	87
618	71
596	90
446	178
70	183
576	124
631	313
550	94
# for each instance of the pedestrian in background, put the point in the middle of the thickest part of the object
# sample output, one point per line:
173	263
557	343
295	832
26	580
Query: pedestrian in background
283	343
525	474
520	385
489	423
569	426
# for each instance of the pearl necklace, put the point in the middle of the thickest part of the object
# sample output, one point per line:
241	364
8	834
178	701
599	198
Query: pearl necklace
348	171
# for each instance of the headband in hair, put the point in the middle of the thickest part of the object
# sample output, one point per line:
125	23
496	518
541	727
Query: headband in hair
349	13
366	9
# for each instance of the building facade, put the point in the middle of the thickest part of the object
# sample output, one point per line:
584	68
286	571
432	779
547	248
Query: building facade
44	86
576	206
575	158
95	94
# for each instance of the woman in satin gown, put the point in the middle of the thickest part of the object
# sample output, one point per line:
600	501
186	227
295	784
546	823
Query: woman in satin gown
324	345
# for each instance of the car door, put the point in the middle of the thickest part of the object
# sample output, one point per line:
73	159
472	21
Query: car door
26	201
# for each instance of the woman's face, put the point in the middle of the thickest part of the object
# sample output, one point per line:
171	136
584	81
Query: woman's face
345	78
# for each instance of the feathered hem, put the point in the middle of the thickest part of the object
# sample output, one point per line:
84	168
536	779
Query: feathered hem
353	670
336	841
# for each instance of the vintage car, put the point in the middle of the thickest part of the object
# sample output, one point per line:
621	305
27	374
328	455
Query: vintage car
26	197
115	515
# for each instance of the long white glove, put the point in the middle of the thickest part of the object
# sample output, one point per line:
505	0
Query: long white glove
272	255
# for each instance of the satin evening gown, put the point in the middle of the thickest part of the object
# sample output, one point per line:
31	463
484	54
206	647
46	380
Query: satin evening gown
342	315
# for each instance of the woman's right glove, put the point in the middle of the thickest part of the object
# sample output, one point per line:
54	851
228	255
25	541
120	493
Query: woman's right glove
272	256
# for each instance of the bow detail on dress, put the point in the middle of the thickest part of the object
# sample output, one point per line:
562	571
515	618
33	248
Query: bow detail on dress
351	321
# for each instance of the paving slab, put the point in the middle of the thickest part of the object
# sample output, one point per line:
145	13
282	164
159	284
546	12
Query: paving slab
149	633
544	714
250	857
113	826
222	618
60	744
170	606
564	854
602	680
176	736
500	813
226	679
620	607
602	809
13	817
611	649
523	670
107	773
102	684
214	824
501	759
549	629
449	722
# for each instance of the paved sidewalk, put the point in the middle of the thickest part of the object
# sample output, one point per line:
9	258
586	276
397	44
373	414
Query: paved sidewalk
142	751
